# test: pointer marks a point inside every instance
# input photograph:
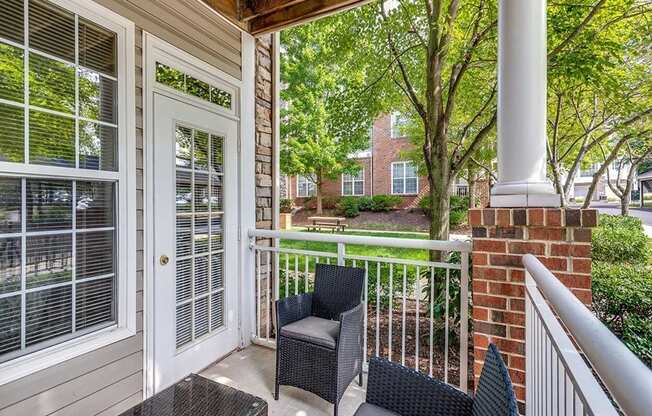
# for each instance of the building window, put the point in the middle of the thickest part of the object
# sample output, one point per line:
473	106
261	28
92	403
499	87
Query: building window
61	177
405	180
305	186
398	124
353	184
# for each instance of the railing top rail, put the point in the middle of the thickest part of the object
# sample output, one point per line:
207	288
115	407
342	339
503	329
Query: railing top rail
626	377
451	245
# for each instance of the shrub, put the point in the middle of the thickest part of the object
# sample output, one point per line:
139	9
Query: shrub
384	203
459	203
365	203
285	205
349	206
620	239
327	202
457	217
622	299
459	206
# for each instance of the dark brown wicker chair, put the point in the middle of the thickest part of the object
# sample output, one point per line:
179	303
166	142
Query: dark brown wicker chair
394	390
320	337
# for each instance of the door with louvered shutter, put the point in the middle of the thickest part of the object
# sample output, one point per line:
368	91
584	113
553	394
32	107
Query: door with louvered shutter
195	226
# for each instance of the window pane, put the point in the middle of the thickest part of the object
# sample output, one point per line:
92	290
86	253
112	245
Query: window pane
12	24
411	185
184	191
184	279
52	30
95	204
97	47
217	276
216	233
51	139
201	275
398	170
217	310
9	324
347	189
201	192
12	77
397	186
97	96
201	317
217	153
10	205
221	98
94	254
9	266
49	205
197	88
51	84
216	193
94	303
184	147
170	77
410	170
48	314
201	235
184	236
184	324
12	133
359	188
49	260
201	150
98	146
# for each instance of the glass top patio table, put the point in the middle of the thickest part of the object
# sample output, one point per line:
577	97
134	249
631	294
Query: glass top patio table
199	396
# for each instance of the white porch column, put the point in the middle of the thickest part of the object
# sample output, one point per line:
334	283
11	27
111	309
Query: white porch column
522	67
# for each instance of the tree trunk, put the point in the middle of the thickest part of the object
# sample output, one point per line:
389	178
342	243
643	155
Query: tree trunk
473	198
624	204
600	172
559	187
318	185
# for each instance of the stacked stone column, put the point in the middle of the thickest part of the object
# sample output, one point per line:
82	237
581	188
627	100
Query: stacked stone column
560	238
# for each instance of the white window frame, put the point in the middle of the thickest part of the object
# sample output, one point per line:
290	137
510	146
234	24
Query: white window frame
353	181
125	207
394	132
405	178
308	186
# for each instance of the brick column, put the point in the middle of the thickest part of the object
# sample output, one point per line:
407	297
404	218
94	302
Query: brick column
560	238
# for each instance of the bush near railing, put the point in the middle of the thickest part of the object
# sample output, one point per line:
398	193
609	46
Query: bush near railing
459	207
622	282
350	206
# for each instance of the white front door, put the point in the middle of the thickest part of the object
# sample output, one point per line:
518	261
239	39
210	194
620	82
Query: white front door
195	233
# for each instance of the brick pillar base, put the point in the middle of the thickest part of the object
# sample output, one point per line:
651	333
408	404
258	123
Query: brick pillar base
560	238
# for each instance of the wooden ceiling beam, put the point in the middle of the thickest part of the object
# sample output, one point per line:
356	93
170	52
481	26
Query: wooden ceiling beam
254	8
298	12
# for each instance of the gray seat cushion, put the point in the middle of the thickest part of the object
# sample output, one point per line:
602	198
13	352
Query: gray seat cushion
367	409
315	330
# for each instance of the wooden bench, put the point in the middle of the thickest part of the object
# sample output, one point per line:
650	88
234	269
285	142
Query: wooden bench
328	223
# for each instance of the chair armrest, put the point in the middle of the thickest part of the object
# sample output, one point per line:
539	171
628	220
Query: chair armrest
351	322
408	392
293	308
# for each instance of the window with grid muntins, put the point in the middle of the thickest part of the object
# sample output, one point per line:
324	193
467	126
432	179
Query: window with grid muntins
199	234
353	184
59	176
305	187
404	178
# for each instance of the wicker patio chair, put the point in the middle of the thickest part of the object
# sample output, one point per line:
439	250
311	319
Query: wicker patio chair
319	344
396	390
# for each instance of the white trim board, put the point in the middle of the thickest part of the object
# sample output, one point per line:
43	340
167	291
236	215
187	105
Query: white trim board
243	109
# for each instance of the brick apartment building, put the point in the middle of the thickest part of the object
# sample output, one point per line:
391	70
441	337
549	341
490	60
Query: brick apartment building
383	170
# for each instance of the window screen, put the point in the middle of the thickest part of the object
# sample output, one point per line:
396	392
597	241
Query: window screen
58	237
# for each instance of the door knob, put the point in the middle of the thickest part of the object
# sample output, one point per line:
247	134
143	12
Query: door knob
164	260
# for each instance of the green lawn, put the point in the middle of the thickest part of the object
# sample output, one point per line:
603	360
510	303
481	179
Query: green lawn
363	250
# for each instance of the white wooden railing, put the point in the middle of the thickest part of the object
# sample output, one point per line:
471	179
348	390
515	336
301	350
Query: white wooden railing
397	292
558	379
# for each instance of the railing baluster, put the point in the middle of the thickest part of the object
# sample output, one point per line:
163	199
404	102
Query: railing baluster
268	294
306	259
464	320
446	302
391	307
287	278
403	317
277	276
259	298
296	274
416	321
377	308
366	309
432	309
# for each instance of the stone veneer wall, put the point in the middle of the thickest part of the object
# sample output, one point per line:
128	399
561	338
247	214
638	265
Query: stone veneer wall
560	238
264	140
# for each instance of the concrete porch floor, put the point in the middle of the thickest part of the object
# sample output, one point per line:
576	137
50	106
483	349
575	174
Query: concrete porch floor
252	370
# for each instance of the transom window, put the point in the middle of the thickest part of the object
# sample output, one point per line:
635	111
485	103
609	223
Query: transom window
398	124
353	184
405	180
305	186
59	176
